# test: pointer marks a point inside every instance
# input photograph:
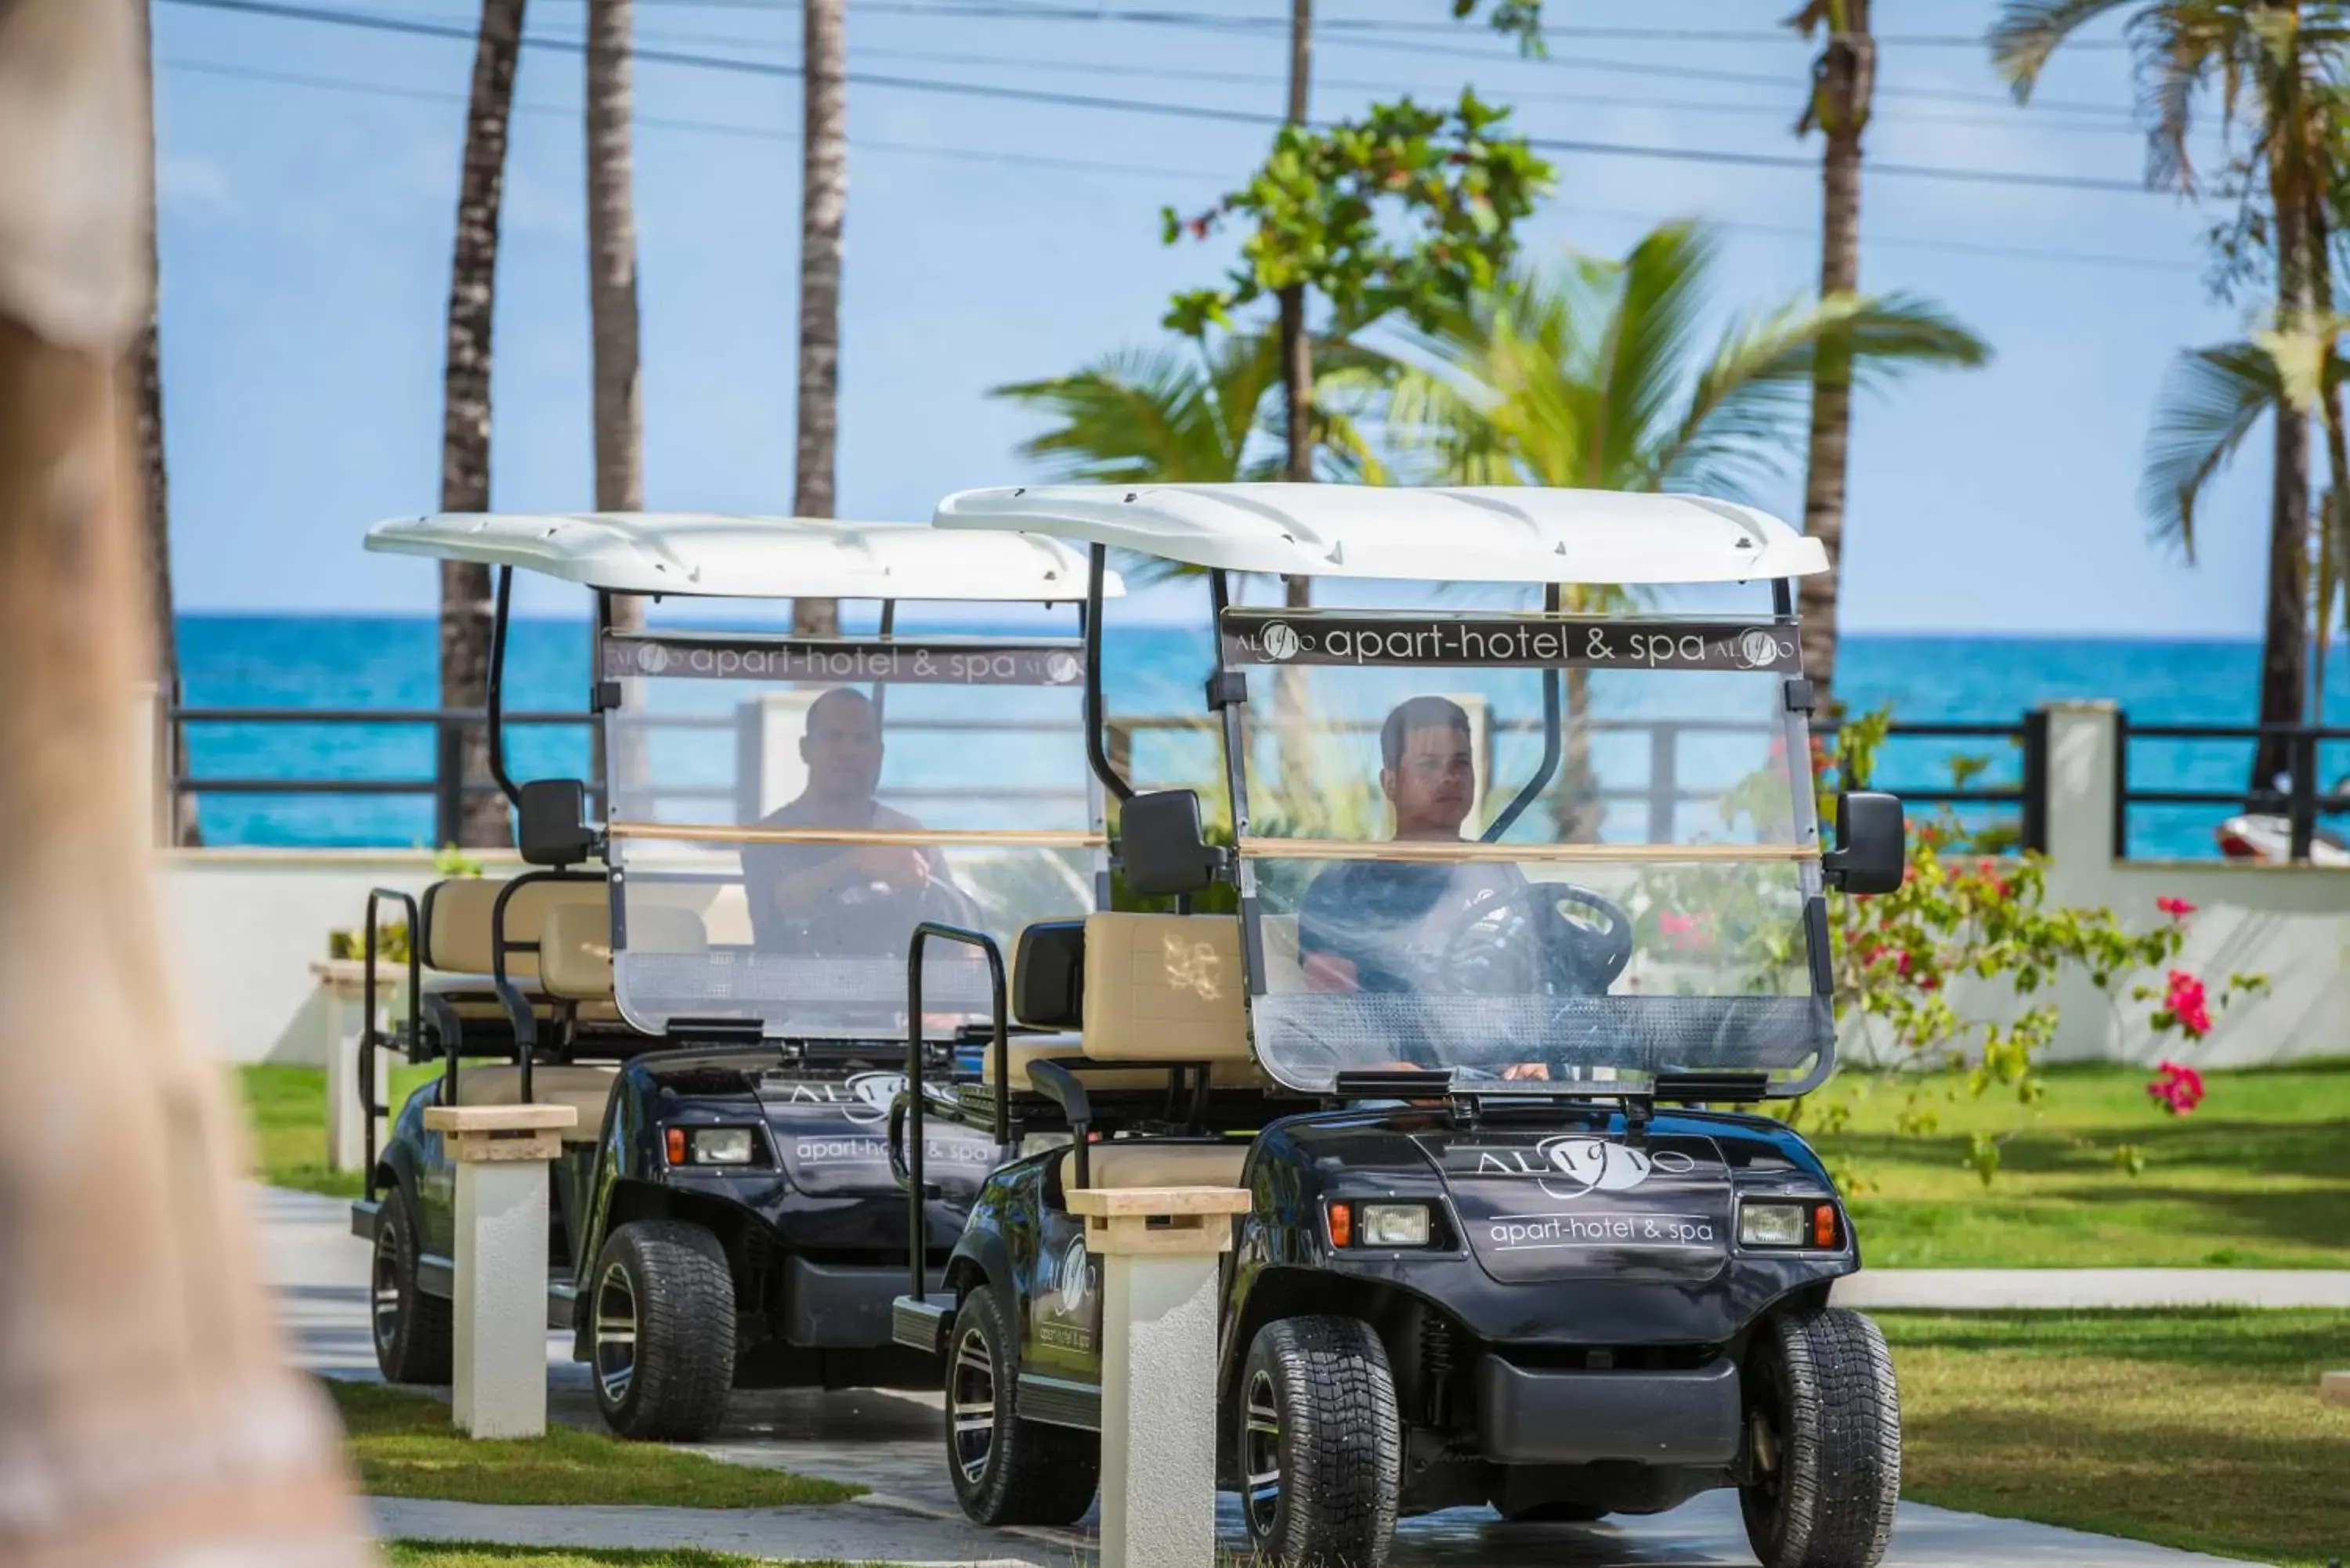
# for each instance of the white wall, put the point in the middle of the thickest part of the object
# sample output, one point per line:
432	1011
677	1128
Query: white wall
250	922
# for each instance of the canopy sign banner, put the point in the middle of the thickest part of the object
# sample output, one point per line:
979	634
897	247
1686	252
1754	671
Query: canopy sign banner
1276	637
935	661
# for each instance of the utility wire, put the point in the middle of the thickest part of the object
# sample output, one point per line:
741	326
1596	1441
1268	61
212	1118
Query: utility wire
994	91
982	155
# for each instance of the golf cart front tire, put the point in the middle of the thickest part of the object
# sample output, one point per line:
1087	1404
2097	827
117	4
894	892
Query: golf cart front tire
1007	1471
414	1333
1824	1418
662	1332
1320	1443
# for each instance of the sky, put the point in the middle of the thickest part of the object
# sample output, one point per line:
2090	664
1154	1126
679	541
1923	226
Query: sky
308	184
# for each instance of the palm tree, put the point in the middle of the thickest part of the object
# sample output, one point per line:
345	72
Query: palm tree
2211	400
147	377
1594	377
2277	63
824	207
612	271
465	419
1844	81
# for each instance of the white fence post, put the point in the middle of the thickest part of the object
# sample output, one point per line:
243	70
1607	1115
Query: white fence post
1160	1247
502	1154
341	995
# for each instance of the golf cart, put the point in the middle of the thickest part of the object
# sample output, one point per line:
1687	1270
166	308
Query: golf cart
1524	900
710	968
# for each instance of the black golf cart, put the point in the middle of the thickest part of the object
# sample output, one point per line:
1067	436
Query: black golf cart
1525	902
713	972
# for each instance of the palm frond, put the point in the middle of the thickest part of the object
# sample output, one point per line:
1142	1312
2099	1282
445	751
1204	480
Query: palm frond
2028	32
2209	400
1659	303
1132	415
1753	399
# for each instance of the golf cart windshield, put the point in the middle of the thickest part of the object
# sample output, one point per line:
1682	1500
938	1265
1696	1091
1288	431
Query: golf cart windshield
811	802
1528	849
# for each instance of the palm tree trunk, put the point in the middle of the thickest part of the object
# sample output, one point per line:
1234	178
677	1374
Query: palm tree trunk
466	415
180	826
2284	651
2330	519
1843	86
151	1416
1296	346
613	320
824	210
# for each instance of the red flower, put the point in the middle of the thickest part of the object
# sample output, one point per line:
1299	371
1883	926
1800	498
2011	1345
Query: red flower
2184	999
2177	1089
2176	908
1682	930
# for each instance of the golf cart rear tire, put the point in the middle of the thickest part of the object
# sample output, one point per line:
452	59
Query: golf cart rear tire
1824	1381
414	1340
1034	1472
1338	1444
672	1280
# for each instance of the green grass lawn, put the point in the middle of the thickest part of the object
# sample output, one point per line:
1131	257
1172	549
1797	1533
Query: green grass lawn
472	1554
403	1445
2258	1177
2193	1430
287	1109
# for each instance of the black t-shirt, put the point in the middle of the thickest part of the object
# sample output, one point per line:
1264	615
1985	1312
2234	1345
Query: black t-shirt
1391	919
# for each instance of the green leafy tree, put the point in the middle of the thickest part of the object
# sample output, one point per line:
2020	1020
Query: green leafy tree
1408	209
2278	69
1598	375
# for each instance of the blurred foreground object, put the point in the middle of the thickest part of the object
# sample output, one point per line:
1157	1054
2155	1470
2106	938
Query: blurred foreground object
152	1417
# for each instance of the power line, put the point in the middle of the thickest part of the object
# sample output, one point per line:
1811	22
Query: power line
991	156
703	127
283	10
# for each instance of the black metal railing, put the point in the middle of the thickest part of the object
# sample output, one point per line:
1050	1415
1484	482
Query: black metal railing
2301	799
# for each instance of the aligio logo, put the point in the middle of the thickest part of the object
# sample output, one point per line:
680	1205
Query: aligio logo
1571	1166
1072	1284
871	1095
1280	641
651	658
1759	650
1062	669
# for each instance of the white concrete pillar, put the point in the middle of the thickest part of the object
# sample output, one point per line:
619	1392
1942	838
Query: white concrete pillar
342	1008
1159	1248
502	1154
2084	763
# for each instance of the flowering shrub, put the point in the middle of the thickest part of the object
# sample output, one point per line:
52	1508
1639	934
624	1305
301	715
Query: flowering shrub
1960	914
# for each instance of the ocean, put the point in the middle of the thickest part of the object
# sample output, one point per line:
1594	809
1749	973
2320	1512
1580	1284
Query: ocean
361	662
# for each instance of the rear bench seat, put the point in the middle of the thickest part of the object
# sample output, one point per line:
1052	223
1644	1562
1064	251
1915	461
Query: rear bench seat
571	923
584	1088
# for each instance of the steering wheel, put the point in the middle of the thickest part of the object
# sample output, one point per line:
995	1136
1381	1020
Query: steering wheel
1482	948
870	919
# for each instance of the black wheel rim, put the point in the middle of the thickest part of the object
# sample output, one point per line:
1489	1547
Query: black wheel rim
1766	1436
383	1289
1260	1454
616	1335
971	1407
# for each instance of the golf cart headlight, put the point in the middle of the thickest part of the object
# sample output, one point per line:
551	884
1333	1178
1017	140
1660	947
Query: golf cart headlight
1394	1225
721	1146
1775	1224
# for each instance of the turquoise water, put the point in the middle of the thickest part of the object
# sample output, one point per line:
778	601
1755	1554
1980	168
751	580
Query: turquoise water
295	661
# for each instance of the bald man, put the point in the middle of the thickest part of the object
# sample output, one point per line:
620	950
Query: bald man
806	896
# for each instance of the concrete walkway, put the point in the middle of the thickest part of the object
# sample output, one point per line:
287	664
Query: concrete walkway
891	1443
2009	1290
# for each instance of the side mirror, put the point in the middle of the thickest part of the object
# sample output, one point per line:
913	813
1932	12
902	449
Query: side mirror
549	823
1872	843
1161	847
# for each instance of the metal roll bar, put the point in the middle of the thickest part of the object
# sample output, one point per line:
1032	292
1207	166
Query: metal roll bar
370	1037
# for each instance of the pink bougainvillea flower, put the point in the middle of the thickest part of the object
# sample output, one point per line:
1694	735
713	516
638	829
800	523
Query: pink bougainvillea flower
2184	999
2176	908
1683	930
2178	1089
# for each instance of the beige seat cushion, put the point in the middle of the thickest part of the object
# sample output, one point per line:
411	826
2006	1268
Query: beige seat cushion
1020	1050
584	1089
575	944
457	921
475	996
1140	1164
1164	988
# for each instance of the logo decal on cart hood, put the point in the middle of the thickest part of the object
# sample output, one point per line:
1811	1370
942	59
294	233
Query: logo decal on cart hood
1570	1166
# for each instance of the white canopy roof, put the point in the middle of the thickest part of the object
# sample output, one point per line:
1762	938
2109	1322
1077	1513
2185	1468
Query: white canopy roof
1495	535
750	557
